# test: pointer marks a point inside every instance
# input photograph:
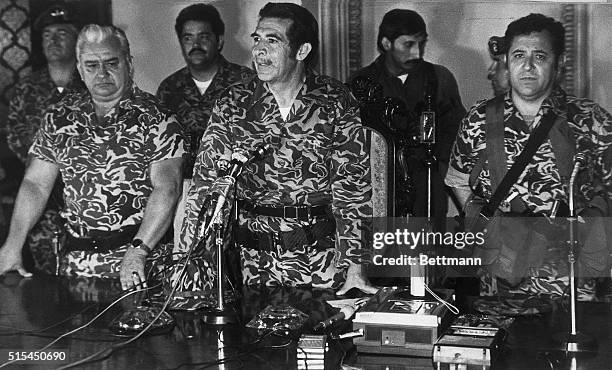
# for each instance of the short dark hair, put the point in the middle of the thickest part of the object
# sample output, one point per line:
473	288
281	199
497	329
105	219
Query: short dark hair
398	22
537	23
303	29
202	13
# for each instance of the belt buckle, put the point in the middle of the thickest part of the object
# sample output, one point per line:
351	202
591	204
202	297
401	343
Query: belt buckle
296	212
285	208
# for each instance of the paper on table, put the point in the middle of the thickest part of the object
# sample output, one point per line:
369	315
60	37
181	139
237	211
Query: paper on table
355	302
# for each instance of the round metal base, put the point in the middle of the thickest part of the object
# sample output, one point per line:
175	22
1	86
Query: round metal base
576	343
216	317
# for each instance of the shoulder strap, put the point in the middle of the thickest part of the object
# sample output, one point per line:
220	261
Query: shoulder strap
561	138
494	136
536	138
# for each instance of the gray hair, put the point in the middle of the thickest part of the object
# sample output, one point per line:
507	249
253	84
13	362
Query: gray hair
95	33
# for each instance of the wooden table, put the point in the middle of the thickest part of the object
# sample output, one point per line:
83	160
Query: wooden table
27	306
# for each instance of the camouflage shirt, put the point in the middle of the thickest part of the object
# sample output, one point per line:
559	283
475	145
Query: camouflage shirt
541	183
105	165
179	93
319	158
32	96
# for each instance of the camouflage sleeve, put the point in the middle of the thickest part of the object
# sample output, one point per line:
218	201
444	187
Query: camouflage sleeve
20	133
351	188
43	147
164	139
215	150
470	140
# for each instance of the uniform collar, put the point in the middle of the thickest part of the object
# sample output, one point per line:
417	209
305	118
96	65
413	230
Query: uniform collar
304	95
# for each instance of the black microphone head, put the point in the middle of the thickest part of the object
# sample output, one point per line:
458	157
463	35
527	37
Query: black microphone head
262	150
581	158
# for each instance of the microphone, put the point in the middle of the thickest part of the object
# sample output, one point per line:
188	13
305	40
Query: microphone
427	123
223	184
345	313
239	160
580	161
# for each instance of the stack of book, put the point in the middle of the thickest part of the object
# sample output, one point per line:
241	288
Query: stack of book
311	351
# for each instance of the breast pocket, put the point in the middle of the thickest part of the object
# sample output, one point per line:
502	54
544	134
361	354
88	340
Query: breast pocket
310	154
127	157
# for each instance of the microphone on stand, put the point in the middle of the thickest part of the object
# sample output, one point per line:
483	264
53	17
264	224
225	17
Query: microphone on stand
223	184
239	160
427	122
580	161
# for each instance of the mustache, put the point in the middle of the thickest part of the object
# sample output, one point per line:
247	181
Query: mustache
196	49
413	62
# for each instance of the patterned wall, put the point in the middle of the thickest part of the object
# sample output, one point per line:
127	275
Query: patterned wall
14	44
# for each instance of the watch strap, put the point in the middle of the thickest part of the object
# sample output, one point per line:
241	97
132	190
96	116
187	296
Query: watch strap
139	244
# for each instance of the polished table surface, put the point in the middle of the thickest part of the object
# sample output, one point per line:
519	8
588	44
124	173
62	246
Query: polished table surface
35	311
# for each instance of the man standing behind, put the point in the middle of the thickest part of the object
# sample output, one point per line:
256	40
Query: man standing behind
314	190
192	91
59	29
403	74
119	156
535	48
498	72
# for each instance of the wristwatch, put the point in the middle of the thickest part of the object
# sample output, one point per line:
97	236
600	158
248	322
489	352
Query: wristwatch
139	244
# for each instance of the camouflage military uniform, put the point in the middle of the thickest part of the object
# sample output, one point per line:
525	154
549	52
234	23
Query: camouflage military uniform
105	166
590	129
31	98
179	93
319	158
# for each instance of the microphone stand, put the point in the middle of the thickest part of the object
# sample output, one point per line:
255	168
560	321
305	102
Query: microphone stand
220	315
425	275
575	341
428	139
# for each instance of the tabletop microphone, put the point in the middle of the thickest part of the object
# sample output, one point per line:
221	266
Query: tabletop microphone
345	313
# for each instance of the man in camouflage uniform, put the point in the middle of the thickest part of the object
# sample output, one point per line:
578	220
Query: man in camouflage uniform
318	172
119	155
191	91
535	46
32	96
